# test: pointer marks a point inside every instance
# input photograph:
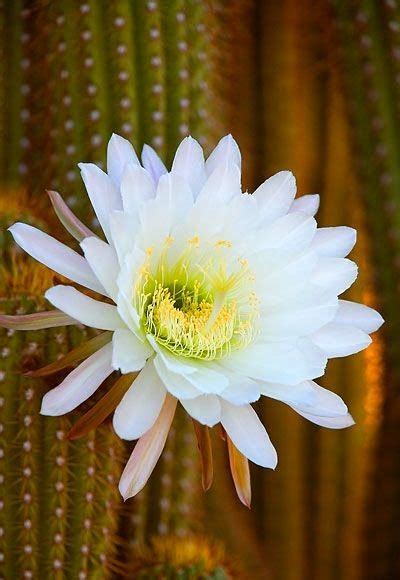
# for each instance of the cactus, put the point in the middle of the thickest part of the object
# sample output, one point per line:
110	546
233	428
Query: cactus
193	557
368	34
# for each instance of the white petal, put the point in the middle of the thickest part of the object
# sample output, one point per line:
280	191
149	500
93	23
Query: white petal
291	394
189	163
293	231
140	406
354	314
241	390
334	242
84	309
280	362
206	409
189	373
299	318
103	194
123	229
222	184
227	151
275	196
152	162
178	385
147	452
137	186
160	215
339	422
282	281
308	204
79	385
248	434
335	274
338	340
322	402
103	261
129	353
55	255
119	153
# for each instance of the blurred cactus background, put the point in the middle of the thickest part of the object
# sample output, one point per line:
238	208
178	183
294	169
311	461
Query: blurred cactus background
311	86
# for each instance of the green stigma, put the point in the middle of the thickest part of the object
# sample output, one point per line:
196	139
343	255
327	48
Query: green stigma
196	308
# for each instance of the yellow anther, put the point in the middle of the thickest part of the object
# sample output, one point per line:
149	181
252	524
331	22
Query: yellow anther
169	240
149	250
223	244
194	242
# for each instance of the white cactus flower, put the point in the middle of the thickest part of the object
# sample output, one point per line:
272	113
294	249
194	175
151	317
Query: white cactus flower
214	296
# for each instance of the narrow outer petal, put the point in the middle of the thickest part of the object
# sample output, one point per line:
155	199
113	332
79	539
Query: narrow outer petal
36	321
240	473
339	422
204	445
79	385
84	309
102	409
55	255
248	434
147	452
68	219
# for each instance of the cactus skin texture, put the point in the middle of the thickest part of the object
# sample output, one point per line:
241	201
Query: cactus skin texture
368	36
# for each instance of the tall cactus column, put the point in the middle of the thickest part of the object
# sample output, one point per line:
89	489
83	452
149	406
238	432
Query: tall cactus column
369	58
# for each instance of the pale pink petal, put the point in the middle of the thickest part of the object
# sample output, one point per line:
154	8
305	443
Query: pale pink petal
79	385
68	219
55	255
36	321
147	452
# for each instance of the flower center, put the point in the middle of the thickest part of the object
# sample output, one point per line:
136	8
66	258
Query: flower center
198	308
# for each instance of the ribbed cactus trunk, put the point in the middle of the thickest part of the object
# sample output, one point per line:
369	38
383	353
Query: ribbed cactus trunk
59	507
309	512
71	74
368	34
